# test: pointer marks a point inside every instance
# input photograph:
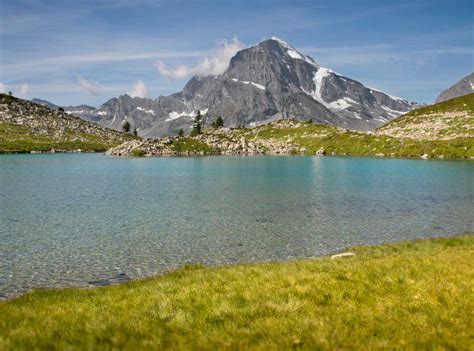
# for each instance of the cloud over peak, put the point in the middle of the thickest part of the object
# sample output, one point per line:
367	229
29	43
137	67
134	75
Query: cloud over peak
139	89
216	64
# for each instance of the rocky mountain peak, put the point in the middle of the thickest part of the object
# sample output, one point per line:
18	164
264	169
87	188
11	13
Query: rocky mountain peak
269	81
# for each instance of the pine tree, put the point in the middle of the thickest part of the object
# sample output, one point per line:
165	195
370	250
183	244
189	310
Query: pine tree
181	133
126	126
219	122
135	131
196	125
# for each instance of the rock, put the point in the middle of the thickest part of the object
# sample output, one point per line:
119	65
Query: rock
425	156
380	154
342	255
321	152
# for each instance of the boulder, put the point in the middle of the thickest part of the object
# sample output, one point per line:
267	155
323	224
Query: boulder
321	152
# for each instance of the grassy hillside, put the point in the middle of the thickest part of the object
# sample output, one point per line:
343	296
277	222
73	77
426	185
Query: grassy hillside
452	119
415	295
336	141
26	126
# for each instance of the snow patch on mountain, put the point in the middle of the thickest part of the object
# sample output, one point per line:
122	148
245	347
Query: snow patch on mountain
392	112
293	53
341	104
256	85
318	79
175	115
390	96
145	110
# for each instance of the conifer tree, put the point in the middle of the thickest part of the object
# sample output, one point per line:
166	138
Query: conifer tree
196	125
126	126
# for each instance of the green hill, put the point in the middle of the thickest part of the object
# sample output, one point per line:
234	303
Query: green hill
26	126
447	120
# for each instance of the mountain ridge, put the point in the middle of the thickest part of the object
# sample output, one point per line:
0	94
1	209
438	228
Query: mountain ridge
462	87
263	83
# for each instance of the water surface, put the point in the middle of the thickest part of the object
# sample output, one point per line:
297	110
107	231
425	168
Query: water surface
81	219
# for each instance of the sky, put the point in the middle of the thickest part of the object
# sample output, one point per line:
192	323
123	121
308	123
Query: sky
88	51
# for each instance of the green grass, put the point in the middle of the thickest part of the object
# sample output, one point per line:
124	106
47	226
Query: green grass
343	142
414	295
460	104
187	144
16	138
436	113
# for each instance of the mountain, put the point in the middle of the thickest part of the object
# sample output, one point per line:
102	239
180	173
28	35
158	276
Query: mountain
45	103
447	120
463	87
27	126
263	83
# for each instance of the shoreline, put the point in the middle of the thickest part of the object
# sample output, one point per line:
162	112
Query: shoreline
408	295
102	283
198	154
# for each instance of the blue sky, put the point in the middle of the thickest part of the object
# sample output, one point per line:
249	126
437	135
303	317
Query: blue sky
85	51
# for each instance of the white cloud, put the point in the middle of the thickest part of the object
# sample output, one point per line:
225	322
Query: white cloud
3	88
24	89
214	65
90	86
139	90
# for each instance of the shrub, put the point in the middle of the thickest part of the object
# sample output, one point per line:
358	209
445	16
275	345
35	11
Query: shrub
126	126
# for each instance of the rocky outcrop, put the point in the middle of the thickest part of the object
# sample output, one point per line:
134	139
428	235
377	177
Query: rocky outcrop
223	141
54	124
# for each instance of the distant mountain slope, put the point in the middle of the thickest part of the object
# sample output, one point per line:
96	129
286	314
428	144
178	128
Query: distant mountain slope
27	126
442	121
463	87
45	103
263	83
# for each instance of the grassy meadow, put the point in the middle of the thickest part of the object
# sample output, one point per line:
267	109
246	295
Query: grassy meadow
344	142
16	138
413	295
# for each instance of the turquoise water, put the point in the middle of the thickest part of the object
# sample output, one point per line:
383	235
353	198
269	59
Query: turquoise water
89	219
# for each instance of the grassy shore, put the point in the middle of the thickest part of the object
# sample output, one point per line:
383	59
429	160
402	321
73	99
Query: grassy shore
414	295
